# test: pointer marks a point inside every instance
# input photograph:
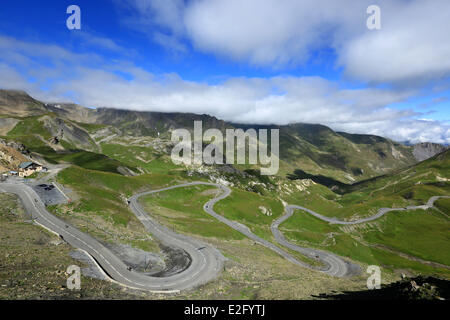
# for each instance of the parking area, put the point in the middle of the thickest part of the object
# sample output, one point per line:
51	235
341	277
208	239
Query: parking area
49	194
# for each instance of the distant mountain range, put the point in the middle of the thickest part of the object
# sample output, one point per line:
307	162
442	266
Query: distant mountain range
312	148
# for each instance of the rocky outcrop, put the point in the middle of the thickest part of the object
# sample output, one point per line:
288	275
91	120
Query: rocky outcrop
19	103
11	155
6	125
426	150
73	112
126	171
62	130
136	123
54	140
15	145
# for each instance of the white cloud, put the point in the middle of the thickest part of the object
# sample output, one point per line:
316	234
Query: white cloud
11	79
99	41
411	46
93	81
267	32
145	15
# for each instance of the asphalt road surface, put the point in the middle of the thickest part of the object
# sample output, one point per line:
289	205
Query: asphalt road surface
381	212
207	262
332	264
336	266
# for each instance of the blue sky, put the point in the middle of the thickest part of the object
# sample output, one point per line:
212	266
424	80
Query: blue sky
258	61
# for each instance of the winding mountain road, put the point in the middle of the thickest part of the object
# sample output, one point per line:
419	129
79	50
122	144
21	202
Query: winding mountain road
206	261
335	263
381	212
332	264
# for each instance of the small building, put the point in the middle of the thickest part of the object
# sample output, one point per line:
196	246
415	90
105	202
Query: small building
25	165
26	169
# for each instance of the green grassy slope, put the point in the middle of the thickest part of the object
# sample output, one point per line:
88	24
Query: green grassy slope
412	186
31	132
34	261
138	156
348	158
400	240
415	240
182	209
99	206
384	242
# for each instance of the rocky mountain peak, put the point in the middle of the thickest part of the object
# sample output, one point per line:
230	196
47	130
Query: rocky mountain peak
426	150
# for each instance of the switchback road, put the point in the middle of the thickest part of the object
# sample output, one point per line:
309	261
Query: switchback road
206	261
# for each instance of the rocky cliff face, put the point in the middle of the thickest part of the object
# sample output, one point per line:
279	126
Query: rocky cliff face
426	150
136	123
19	103
7	124
11	155
62	130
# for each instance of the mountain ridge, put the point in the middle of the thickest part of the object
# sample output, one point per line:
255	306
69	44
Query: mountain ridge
313	148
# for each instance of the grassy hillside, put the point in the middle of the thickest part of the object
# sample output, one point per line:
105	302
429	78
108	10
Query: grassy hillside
416	240
247	208
33	261
99	206
412	186
34	267
32	132
143	157
182	209
355	175
315	149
